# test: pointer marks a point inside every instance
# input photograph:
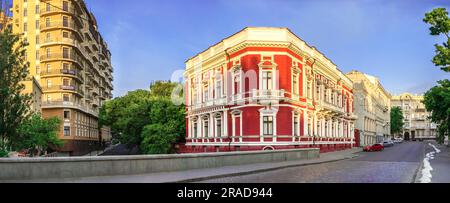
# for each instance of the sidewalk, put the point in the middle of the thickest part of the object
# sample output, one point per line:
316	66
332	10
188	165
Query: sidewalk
209	173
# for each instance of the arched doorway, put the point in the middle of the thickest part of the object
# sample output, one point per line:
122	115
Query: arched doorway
407	136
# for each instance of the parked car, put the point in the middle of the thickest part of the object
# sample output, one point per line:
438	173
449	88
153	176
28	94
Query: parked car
388	143
374	148
398	140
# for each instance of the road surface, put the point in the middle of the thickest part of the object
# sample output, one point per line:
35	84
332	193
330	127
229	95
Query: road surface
398	164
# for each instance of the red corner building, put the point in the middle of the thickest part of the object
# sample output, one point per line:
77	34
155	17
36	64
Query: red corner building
266	89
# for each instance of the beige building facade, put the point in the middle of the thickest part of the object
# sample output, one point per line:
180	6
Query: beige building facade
372	106
32	87
71	62
417	125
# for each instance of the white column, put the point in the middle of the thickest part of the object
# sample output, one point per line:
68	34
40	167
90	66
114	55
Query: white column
225	124
212	126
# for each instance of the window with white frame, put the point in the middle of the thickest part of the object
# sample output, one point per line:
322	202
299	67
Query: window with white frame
309	89
295	79
218	127
236	83
296	125
267	80
205	93
205	128
218	92
268	125
195	130
318	95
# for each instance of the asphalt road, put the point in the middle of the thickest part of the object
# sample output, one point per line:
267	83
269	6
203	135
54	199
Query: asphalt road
398	164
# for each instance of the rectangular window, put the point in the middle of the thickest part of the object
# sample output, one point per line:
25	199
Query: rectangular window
37	24
206	129
37	9
49	83
66	82
268	125
65	6
66	97
47	22
65	21
25	27
195	130
49	68
218	89
66	115
66	53
205	94
296	125
25	12
65	34
37	54
66	131
295	84
47	7
267	80
219	128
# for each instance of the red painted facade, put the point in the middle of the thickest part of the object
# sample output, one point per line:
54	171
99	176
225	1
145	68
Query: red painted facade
267	98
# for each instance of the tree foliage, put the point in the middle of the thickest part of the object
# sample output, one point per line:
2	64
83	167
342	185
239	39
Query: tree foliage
14	106
439	21
396	120
37	135
147	119
437	101
127	116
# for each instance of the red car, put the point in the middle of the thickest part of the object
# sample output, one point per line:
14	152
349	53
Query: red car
374	148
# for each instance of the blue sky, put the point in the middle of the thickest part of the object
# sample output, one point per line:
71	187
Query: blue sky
150	39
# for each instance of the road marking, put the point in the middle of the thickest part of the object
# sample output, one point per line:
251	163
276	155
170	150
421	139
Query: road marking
426	171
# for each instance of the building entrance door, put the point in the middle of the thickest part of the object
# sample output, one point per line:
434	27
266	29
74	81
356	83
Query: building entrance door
407	136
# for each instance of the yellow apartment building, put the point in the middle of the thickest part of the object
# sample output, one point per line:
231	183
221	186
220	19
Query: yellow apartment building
71	62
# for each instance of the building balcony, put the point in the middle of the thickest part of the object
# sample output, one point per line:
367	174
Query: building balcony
61	25
54	10
267	96
66	72
68	88
69	105
330	107
62	57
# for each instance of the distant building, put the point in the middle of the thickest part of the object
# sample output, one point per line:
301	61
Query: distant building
266	89
372	106
417	124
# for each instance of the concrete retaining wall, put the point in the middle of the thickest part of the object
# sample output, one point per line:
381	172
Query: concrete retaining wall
75	167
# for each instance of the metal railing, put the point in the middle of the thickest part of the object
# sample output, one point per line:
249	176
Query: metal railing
56	24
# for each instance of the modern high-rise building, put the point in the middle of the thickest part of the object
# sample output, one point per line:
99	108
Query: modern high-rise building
72	63
372	105
417	124
263	89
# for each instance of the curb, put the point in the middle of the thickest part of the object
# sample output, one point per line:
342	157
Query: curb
352	156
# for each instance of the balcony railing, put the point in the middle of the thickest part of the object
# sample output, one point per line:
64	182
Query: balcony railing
71	41
61	56
59	24
331	107
268	94
72	88
51	9
69	104
63	72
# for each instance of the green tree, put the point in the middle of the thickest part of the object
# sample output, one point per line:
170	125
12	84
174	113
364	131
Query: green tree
14	106
37	135
439	21
162	89
437	101
127	116
396	120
